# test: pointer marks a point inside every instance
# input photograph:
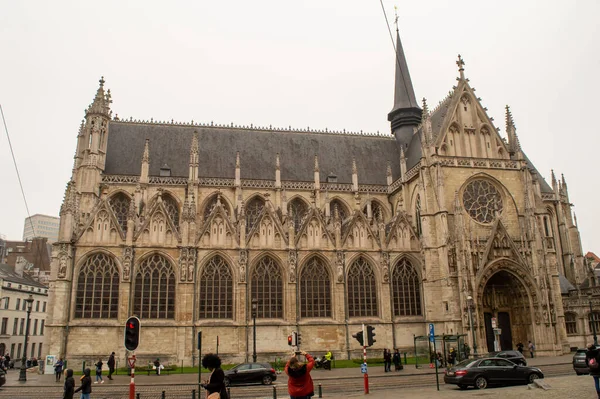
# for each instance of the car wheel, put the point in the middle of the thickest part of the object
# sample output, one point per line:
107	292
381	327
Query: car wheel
226	381
266	380
461	386
481	383
532	377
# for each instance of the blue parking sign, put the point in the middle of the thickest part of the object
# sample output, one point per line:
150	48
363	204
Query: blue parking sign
363	368
431	332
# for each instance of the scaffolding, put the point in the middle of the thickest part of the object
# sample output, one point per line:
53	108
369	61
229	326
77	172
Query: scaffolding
424	353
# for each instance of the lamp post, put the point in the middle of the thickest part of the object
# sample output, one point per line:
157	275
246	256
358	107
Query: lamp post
254	309
592	319
23	371
470	305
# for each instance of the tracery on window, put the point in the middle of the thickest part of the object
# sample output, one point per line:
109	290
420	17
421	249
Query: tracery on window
119	204
216	290
253	210
315	290
154	292
341	209
172	209
97	293
482	200
376	211
267	288
406	287
595	319
362	291
298	209
212	203
571	322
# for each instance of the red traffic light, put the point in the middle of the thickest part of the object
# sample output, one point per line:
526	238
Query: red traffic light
132	333
289	340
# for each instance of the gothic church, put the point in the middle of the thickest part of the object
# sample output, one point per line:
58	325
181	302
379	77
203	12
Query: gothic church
201	227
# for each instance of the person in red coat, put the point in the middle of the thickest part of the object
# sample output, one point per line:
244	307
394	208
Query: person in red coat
300	384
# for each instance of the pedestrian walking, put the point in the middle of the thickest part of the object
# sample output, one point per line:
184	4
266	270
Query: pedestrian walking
387	360
99	372
396	360
215	385
7	361
69	388
592	359
58	369
452	357
531	348
520	347
86	384
111	365
300	383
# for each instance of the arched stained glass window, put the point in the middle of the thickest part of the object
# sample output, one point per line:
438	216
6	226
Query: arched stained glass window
212	203
298	210
216	290
571	322
376	211
154	292
406	290
253	210
120	207
267	289
315	290
97	294
172	209
341	208
362	291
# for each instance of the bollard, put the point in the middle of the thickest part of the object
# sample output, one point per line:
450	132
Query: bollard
83	367
405	359
137	395
162	395
193	394
228	393
320	391
181	367
274	392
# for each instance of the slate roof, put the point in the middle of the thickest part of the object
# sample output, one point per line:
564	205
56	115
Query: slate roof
171	144
565	285
7	273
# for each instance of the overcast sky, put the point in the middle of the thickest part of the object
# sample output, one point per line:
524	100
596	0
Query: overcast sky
305	63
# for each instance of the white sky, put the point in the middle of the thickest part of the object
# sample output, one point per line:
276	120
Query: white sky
308	63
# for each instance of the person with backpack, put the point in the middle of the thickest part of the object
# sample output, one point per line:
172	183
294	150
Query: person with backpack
69	388
531	348
592	359
86	384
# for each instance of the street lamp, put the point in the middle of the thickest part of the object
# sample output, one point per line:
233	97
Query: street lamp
254	308
23	371
471	305
592	319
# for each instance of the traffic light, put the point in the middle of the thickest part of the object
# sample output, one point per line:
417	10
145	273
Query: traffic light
132	333
294	338
298	338
289	340
359	337
370	335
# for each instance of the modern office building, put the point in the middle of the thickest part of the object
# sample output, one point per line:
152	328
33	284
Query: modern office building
41	226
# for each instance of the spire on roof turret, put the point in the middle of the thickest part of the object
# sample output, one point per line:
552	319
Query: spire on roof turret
514	146
461	67
406	113
554	183
101	103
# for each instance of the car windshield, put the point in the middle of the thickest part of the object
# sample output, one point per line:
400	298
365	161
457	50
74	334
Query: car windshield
465	364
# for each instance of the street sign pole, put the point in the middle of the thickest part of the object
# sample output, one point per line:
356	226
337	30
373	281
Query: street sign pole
366	373
432	339
131	361
199	361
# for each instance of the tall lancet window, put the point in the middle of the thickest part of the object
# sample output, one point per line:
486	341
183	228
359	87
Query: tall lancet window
266	286
120	207
97	295
253	210
362	291
216	290
172	209
154	292
406	290
315	290
299	209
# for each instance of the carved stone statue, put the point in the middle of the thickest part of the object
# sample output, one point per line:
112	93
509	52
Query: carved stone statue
191	262
243	262
385	266
127	261
293	261
340	259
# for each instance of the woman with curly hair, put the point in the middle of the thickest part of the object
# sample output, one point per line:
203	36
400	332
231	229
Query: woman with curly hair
215	385
300	383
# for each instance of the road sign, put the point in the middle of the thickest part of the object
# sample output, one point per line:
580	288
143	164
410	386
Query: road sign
131	362
363	368
431	332
494	325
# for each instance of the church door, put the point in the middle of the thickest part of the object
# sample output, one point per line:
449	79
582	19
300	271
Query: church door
506	336
489	332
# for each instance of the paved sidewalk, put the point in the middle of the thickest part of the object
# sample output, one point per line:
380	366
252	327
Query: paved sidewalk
34	379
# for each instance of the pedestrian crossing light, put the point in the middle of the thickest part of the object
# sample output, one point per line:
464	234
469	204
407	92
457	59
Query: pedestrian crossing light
370	335
132	333
359	337
298	338
289	340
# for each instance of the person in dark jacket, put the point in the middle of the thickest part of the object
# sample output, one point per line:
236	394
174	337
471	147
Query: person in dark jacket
300	383
593	355
397	360
58	369
111	365
69	390
86	384
216	381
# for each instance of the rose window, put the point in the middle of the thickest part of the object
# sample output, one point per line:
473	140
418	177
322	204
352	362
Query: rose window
482	201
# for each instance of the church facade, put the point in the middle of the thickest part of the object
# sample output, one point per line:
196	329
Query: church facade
201	227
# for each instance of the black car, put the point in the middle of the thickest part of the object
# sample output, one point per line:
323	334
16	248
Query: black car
247	373
490	371
514	356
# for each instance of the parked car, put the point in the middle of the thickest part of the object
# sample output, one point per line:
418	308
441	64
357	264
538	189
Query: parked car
2	377
481	373
579	364
514	356
247	373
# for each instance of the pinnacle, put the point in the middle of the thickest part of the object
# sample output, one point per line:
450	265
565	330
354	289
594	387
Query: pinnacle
461	67
425	108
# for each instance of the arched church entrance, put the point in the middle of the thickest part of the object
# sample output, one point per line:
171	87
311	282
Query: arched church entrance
506	304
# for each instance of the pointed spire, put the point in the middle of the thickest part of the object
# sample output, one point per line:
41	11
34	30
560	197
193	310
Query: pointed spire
237	159
101	103
511	131
425	109
554	183
426	123
145	163
354	170
461	67
564	182
194	148
316	163
388	171
146	155
277	164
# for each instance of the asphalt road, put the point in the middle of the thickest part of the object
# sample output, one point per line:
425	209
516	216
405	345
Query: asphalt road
176	389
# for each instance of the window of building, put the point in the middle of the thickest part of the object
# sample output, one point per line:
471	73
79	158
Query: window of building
253	210
33	349
338	206
362	291
12	350
594	318
482	201
119	204
6	302
24	303
267	289
216	290
15	326
4	326
22	327
19	347
154	293
406	290
315	290
18	303
571	322
44	307
35	324
42	327
97	293
172	209
297	211
37	306
40	350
